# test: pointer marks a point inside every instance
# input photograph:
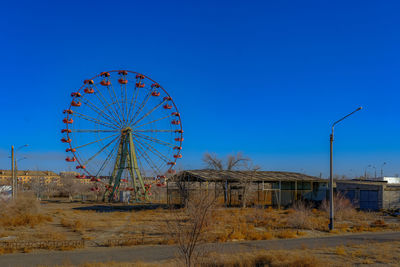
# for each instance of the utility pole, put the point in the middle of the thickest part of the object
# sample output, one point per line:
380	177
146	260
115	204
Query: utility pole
382	169
12	172
365	171
331	215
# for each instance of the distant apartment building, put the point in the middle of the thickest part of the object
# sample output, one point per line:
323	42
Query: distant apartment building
30	176
45	177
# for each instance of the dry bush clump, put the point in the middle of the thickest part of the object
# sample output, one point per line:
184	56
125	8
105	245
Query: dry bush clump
379	223
340	250
24	211
342	206
77	225
286	234
7	250
239	224
301	217
276	258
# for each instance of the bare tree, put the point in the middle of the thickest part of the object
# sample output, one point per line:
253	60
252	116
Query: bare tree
37	185
189	225
71	186
246	184
233	162
49	189
98	191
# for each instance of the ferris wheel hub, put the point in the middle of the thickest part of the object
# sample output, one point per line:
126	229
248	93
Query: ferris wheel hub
126	130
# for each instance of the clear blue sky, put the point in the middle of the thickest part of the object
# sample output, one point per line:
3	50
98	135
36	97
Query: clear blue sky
261	77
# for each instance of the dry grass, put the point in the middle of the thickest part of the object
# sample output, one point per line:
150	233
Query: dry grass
27	220
340	250
387	254
24	211
229	224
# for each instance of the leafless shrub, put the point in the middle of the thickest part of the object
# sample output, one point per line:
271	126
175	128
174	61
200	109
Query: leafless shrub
301	218
342	206
73	187
246	183
23	211
188	226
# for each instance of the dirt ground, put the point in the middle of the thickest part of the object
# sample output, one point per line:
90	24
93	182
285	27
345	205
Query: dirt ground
117	224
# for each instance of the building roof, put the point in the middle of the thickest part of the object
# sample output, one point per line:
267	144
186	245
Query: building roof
29	173
360	181
255	176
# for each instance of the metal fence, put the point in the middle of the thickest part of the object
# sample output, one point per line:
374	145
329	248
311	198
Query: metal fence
43	244
50	244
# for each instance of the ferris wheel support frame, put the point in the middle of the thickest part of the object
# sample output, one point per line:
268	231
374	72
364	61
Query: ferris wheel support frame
126	159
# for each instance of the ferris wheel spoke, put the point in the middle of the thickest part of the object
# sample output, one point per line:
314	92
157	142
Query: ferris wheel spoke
155	131
153	150
146	157
109	156
106	105
101	150
141	107
100	112
148	113
147	123
133	100
149	138
92	131
96	141
119	106
88	118
142	170
125	107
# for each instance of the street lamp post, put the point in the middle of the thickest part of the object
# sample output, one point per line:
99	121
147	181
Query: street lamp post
375	171
13	171
331	215
365	171
382	169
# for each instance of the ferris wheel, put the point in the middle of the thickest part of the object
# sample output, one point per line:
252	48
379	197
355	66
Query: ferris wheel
123	129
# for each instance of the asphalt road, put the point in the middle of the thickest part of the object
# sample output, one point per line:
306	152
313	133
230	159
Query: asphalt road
164	252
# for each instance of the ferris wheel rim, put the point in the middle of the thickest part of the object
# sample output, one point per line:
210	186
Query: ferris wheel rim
69	135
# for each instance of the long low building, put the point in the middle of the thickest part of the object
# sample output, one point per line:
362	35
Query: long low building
242	188
371	194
